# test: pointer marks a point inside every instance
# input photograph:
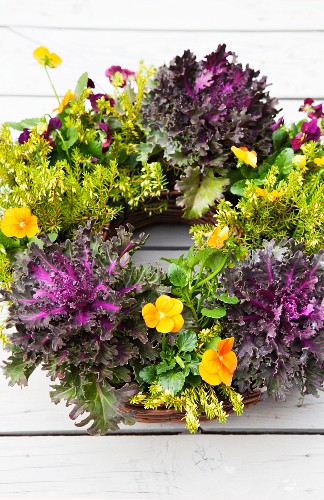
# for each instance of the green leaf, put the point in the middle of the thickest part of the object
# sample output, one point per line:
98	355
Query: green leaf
284	160
177	275
104	404
238	187
212	344
216	261
72	135
186	341
227	299
148	374
17	370
199	193
218	312
145	150
82	83
26	123
172	382
163	367
193	380
280	138
179	361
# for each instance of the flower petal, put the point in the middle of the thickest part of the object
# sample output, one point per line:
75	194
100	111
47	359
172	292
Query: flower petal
211	361
164	303
224	346
165	325
178	323
32	227
225	376
176	309
151	315
230	361
210	378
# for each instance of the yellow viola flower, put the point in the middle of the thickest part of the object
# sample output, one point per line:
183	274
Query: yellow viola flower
246	156
300	162
165	315
218	236
319	161
65	101
46	58
19	222
273	195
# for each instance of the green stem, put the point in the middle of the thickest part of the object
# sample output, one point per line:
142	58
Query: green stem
211	276
164	342
191	307
52	85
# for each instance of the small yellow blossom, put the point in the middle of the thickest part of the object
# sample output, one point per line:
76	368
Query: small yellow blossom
65	101
246	156
263	192
218	236
165	315
319	161
19	222
300	162
45	58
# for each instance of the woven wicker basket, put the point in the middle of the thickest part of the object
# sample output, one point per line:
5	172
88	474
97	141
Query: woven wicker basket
161	415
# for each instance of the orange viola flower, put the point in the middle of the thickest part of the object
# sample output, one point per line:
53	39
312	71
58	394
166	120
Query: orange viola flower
19	222
218	236
218	366
165	315
65	101
272	196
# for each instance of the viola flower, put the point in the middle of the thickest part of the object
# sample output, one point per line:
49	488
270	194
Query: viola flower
218	236
124	74
106	143
278	124
312	111
246	156
24	136
19	222
93	98
310	131
45	58
54	124
273	195
90	84
218	366
319	161
65	101
165	315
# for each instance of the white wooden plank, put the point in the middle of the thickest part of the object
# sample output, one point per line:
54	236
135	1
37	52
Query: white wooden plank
287	58
182	14
15	108
30	410
160	467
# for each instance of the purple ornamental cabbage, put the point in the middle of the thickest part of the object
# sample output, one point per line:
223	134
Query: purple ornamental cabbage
76	307
278	325
197	110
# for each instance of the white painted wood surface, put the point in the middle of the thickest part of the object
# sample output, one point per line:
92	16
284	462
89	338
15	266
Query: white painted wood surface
285	41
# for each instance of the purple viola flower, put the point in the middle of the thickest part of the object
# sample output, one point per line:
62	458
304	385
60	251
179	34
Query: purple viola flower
94	159
317	112
125	73
90	84
94	98
308	102
54	124
310	131
278	124
106	143
24	136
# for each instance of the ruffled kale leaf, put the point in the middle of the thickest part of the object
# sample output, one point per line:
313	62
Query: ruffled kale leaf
199	192
278	325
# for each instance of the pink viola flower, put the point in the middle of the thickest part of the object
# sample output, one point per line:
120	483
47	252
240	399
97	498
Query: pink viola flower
24	136
311	110
278	124
125	73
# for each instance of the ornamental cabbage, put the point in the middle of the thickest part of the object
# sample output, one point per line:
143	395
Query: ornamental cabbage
278	325
76	308
197	110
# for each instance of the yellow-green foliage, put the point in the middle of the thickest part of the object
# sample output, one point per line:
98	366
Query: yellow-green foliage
296	213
